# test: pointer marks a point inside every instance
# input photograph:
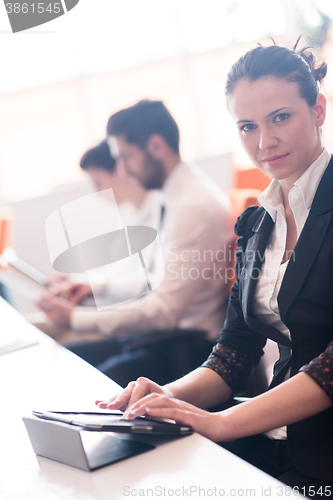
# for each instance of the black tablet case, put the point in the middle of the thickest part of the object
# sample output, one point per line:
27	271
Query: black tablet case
79	448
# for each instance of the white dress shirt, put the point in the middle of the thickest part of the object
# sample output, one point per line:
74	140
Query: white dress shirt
265	305
147	214
107	291
196	239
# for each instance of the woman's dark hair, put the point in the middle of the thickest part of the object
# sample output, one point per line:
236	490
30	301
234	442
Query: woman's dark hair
137	123
99	156
280	62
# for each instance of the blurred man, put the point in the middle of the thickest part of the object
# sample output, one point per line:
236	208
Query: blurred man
100	166
195	234
136	206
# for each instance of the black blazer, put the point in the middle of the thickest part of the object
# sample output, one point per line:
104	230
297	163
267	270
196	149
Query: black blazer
306	308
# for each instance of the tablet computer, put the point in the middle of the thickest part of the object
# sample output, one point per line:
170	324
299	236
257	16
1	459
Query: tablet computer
74	446
114	422
21	277
9	257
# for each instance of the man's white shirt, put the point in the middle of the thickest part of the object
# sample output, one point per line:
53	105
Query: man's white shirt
111	289
196	238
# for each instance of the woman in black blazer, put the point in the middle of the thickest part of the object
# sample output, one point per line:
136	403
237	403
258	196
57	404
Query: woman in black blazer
273	96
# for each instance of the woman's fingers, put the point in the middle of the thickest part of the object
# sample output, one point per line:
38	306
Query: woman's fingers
155	405
177	414
112	403
143	387
119	400
133	393
144	397
153	400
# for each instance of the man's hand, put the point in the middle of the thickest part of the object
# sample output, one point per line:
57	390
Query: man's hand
73	292
57	309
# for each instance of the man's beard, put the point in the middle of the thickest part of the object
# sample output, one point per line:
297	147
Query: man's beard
155	173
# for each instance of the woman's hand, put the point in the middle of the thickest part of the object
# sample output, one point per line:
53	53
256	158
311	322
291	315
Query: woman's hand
207	424
134	391
144	397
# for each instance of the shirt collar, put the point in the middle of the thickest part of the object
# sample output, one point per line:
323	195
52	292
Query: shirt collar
309	181
175	181
272	198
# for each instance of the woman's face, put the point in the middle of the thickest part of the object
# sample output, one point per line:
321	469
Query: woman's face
278	130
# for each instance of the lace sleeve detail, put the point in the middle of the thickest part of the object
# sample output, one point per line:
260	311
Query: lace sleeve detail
234	367
321	370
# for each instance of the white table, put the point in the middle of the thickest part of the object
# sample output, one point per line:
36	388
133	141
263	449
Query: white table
48	376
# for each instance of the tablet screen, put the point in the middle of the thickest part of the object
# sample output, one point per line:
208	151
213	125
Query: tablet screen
113	422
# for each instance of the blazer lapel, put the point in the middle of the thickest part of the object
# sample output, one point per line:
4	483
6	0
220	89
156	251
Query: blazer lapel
305	253
253	260
309	242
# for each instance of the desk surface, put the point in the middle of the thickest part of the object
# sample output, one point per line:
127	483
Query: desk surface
48	376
